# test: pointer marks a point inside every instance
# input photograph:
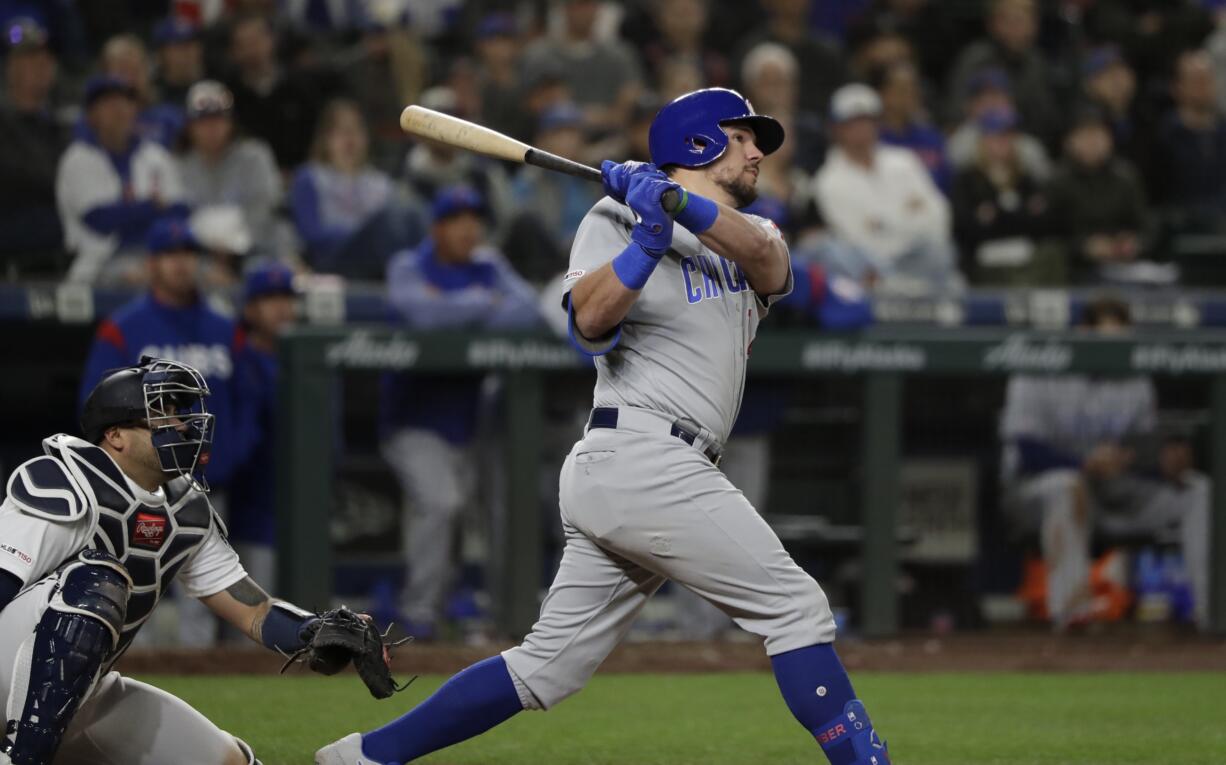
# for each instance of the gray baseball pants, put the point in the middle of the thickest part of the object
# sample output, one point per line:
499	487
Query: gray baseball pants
638	507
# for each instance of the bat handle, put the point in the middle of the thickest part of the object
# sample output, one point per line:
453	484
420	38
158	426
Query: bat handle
670	202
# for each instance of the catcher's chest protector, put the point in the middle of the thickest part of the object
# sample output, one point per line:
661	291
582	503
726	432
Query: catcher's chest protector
152	542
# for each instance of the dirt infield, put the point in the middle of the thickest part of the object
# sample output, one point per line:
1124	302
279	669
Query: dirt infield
1130	651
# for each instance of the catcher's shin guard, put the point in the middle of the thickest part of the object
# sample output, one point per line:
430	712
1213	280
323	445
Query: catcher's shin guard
854	726
57	666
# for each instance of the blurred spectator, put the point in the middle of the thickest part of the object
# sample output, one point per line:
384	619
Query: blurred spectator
1215	46
59	20
220	168
1151	33
603	76
1191	146
552	204
770	75
172	320
429	423
180	59
269	306
682	27
905	123
111	185
874	49
1098	200
678	77
384	70
31	142
348	213
1012	27
330	17
431	167
1082	458
124	57
1110	84
821	66
638	129
785	190
498	48
1002	218
544	89
882	201
989	91
926	24
274	105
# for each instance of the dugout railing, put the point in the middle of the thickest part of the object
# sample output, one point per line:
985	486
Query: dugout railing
883	358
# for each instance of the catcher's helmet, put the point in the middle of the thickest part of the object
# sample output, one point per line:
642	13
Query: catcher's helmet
165	396
687	132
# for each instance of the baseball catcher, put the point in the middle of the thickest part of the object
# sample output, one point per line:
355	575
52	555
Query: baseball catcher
668	305
91	536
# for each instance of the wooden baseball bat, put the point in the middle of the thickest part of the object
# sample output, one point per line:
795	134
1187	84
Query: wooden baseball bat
462	134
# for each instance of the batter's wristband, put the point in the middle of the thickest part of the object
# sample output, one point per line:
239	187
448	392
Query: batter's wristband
634	265
696	213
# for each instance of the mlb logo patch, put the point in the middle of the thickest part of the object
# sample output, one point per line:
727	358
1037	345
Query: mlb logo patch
148	530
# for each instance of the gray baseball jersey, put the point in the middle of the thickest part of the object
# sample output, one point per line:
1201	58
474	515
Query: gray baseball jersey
640	506
684	346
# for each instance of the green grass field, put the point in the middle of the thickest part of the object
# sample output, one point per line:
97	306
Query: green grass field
739	719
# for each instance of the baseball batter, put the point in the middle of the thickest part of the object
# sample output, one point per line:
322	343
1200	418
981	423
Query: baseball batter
669	310
91	536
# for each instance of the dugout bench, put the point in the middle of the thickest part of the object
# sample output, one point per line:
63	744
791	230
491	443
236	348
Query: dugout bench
883	357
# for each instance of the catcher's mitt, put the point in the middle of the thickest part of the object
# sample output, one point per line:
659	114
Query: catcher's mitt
339	636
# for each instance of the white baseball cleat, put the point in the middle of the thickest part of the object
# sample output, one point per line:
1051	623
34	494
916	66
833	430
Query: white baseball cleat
346	751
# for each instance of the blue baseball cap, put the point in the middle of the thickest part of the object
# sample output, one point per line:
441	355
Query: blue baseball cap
1099	60
271	278
171	235
496	25
455	200
172	29
989	79
560	116
104	85
997	120
24	33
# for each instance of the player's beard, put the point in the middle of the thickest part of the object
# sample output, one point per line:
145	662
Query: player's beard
150	462
743	192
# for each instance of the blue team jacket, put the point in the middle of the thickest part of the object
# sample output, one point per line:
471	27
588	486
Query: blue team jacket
196	335
426	294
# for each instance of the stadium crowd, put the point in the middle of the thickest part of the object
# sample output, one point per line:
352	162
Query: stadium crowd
1012	142
189	146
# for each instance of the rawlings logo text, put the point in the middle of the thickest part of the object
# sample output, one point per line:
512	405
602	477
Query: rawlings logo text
149	531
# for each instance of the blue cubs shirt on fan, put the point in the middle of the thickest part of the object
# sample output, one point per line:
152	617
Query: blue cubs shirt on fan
428	294
196	335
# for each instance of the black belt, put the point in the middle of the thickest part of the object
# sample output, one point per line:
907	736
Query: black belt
606	417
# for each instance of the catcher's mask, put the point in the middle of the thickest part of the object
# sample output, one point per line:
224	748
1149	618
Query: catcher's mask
165	396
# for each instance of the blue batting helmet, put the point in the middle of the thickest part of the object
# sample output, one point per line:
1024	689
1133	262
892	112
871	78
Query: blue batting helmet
687	131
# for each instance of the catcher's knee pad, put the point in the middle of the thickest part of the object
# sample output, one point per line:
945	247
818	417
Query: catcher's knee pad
56	666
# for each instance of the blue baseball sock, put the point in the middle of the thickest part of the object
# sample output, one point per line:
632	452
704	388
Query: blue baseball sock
819	693
468	704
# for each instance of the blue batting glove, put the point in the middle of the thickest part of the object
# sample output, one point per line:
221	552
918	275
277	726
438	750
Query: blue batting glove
654	228
616	176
